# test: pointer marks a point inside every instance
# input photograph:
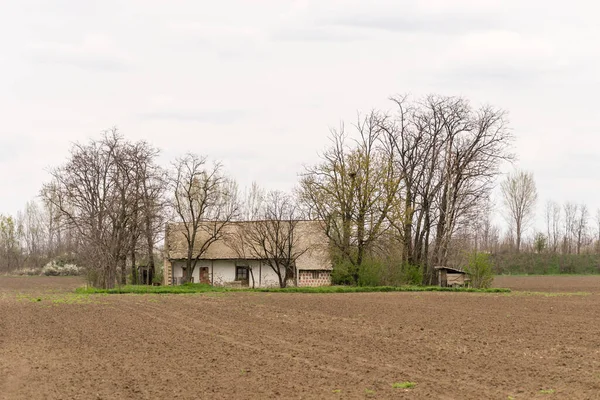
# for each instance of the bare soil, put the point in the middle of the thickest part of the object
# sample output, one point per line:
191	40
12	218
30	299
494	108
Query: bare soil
56	345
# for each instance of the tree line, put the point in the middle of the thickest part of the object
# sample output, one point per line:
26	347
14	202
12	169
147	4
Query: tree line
398	191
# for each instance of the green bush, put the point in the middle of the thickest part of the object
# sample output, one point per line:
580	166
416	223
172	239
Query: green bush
370	273
341	274
412	274
375	272
480	268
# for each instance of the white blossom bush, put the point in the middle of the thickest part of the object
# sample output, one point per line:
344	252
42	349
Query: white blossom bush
54	268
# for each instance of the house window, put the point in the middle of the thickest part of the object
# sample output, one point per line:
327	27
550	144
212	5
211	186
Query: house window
241	273
314	274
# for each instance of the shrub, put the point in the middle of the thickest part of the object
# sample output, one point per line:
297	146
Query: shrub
370	273
376	272
158	274
480	269
412	275
56	268
341	274
28	272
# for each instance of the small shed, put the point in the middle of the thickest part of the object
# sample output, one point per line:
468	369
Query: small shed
452	277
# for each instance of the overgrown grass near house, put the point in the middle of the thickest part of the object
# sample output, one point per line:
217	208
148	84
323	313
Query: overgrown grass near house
202	288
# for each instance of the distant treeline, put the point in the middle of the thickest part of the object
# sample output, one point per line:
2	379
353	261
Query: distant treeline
546	263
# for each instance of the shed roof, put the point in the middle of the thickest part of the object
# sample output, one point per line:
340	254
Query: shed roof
456	270
310	234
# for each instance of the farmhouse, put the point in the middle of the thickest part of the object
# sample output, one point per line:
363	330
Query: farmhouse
223	264
448	276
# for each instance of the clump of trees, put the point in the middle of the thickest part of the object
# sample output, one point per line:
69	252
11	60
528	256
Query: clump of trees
407	181
397	192
109	195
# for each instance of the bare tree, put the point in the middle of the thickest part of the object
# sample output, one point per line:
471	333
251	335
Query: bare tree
252	202
520	196
151	187
581	222
570	223
553	225
205	202
274	236
447	154
97	196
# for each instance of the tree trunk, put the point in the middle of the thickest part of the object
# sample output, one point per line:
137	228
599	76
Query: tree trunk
407	230
134	274
150	248
518	236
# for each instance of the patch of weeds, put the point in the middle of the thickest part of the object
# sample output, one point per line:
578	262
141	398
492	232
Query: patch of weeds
547	391
336	391
510	398
369	392
404	385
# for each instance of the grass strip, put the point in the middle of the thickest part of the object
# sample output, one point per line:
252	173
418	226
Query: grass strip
202	288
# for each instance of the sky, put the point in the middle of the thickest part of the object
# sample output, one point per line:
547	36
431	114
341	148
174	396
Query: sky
258	84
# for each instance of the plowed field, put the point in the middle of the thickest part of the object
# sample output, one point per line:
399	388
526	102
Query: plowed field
57	345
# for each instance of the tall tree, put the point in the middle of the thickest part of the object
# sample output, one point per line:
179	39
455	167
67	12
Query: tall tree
570	223
447	154
273	235
353	189
204	201
520	196
580	232
553	225
97	195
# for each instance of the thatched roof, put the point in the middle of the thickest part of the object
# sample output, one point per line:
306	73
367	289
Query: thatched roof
309	233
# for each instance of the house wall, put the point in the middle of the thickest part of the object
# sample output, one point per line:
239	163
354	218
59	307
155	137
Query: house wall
314	278
222	272
167	272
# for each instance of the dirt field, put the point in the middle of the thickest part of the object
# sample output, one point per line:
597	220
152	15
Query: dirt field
292	346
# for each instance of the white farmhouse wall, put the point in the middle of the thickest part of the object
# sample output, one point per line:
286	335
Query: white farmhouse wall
222	272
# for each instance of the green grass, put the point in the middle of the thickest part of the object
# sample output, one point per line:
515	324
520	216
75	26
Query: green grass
404	385
202	288
547	391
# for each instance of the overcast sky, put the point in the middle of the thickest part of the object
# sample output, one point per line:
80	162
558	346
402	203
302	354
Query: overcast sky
258	83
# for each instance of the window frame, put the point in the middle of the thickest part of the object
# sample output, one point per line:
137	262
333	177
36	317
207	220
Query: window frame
246	270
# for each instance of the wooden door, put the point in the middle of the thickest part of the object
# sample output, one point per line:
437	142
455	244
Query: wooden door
204	275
